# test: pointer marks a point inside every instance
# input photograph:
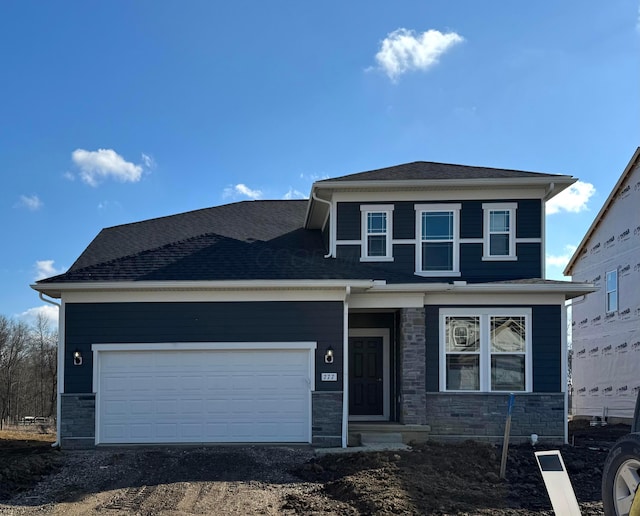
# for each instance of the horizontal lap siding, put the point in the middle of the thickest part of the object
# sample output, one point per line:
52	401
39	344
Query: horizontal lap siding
547	348
472	267
96	323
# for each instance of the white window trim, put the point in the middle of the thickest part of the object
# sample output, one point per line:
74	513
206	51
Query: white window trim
487	208
424	208
365	209
485	346
607	291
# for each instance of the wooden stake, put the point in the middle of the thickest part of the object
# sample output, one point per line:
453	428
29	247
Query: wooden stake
505	442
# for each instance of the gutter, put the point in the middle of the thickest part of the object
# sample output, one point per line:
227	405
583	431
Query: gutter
60	374
55	289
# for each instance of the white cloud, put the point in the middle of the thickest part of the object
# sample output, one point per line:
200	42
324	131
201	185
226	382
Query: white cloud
96	166
240	189
148	161
46	269
31	202
50	312
561	261
403	50
294	194
574	199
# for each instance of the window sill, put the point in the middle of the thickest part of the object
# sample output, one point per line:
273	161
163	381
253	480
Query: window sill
376	258
499	258
438	274
497	393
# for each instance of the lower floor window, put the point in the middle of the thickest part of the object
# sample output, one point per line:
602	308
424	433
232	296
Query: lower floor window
485	350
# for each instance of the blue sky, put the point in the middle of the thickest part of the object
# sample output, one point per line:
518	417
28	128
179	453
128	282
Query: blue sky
113	112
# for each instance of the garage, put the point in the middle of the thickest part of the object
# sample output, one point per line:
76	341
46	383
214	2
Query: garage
203	392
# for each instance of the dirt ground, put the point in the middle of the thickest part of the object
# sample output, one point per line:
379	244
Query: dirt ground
432	478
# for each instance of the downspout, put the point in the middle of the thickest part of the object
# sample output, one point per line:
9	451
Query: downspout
565	368
345	369
60	379
316	198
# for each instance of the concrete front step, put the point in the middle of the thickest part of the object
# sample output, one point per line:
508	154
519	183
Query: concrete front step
398	433
369	438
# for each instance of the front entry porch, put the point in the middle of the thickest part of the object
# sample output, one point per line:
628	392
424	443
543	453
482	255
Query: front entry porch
387	367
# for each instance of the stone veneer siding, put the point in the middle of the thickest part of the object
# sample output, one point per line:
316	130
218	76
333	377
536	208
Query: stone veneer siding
411	339
326	428
483	416
77	421
77	424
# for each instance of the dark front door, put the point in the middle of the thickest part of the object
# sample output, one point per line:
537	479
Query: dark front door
365	376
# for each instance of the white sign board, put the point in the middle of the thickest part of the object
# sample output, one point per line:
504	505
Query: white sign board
557	482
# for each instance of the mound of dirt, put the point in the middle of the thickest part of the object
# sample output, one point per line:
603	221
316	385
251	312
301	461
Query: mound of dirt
24	460
456	478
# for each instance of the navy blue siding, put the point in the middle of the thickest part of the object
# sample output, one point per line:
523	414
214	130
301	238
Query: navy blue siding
284	321
528	264
404	220
547	348
529	218
546	333
472	268
348	214
471	219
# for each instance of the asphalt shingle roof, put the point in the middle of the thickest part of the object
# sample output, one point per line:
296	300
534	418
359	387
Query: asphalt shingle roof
428	170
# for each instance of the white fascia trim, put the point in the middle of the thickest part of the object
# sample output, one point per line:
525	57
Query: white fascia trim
422	195
387	300
572	290
520	182
89	286
411	287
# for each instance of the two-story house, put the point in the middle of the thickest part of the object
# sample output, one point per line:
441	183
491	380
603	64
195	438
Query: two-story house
408	296
606	323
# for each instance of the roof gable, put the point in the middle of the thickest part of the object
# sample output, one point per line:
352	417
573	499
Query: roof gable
615	191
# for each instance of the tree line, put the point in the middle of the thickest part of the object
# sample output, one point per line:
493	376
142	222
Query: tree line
28	370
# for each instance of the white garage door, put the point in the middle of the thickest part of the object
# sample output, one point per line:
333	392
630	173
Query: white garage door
163	396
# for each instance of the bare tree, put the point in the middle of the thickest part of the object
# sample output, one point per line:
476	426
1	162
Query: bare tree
13	344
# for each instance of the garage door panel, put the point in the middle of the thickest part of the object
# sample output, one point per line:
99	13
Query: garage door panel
204	396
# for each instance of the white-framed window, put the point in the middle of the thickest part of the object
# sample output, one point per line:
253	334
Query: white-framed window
437	239
377	232
485	350
611	285
499	231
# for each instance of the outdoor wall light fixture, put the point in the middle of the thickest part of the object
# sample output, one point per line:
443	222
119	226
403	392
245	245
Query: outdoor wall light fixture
77	357
328	355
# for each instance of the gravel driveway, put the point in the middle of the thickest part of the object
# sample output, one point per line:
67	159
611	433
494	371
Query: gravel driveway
169	481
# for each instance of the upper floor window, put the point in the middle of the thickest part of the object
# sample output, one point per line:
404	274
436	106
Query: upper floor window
437	246
377	228
612	291
485	350
499	231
